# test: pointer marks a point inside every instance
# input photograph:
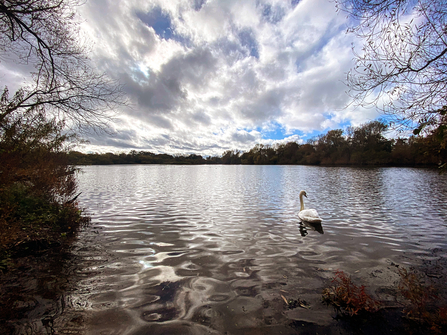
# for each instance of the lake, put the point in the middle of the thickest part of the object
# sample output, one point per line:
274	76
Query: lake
217	249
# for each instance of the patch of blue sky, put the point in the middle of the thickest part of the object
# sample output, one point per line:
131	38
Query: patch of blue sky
310	135
275	132
344	125
272	14
295	2
278	132
247	39
162	24
393	121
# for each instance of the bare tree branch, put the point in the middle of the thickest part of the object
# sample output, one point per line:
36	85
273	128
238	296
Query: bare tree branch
44	33
402	67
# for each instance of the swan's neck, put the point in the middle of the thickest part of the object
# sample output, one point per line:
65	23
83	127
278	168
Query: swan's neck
301	202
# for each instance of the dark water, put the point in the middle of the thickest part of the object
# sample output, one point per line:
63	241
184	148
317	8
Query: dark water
216	249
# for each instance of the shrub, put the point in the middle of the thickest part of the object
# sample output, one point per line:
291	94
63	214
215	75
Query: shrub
345	296
37	184
423	302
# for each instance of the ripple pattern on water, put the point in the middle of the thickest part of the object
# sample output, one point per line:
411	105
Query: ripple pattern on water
206	248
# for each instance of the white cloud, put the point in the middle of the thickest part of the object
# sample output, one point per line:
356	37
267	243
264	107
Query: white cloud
207	76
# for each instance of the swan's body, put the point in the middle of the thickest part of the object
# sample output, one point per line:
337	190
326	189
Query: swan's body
308	215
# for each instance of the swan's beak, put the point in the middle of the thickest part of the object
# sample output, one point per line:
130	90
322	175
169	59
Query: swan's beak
305	195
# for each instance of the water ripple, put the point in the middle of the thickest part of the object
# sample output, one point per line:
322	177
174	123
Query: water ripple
203	249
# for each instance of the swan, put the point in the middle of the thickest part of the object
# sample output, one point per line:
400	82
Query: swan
308	215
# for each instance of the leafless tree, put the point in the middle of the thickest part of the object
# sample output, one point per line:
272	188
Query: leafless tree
45	34
402	67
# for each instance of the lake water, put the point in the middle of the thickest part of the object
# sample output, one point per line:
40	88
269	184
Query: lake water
217	249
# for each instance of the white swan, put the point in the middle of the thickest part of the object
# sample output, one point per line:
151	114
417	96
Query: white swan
308	215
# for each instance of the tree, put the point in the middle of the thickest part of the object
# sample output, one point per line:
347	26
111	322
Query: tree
44	34
231	157
368	145
62	93
37	184
261	154
402	67
333	147
33	156
288	153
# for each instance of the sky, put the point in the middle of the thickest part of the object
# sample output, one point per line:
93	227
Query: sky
206	76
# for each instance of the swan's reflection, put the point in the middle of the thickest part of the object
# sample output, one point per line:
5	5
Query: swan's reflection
304	226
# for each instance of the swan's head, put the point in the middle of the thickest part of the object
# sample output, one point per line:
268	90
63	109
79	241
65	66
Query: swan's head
303	193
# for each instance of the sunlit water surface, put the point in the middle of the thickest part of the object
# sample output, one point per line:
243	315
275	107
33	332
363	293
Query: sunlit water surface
215	249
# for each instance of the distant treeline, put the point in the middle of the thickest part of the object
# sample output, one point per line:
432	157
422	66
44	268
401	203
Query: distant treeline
363	145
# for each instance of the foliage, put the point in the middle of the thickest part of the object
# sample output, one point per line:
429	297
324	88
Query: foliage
436	139
26	216
37	185
134	157
347	297
333	148
231	157
31	151
37	182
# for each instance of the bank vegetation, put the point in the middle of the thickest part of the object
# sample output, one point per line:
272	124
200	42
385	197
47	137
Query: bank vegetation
61	96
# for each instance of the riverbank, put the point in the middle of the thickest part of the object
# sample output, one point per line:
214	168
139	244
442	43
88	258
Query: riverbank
31	222
33	253
21	238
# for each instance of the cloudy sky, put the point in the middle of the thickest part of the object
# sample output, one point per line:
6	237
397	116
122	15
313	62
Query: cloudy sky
205	76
